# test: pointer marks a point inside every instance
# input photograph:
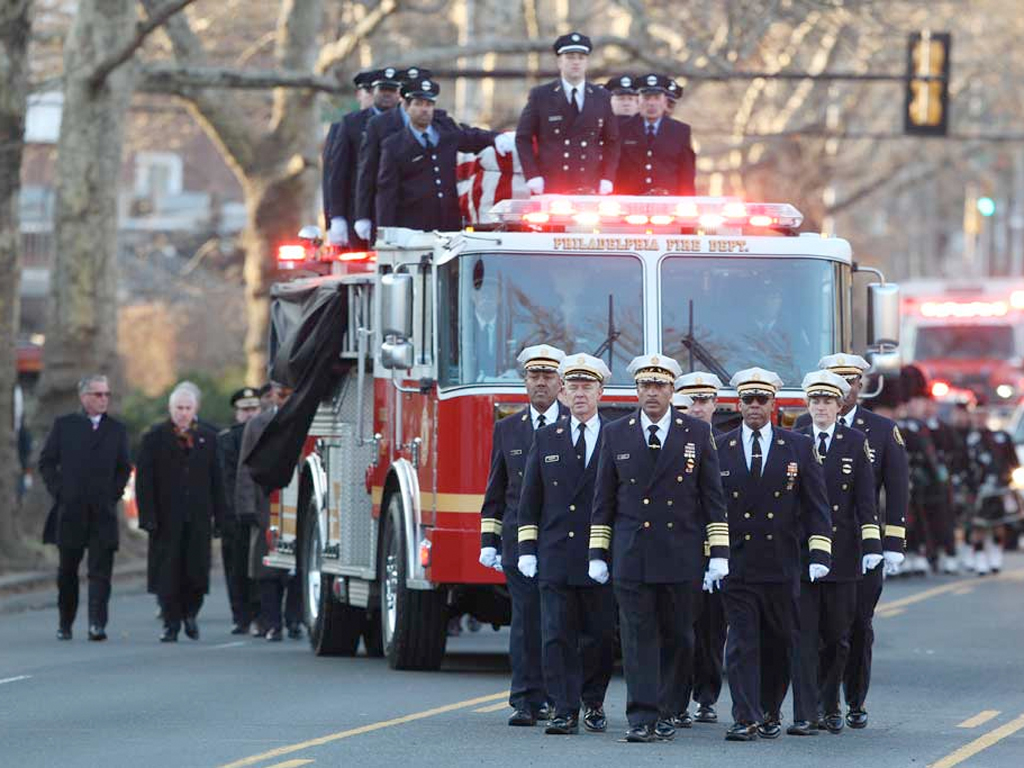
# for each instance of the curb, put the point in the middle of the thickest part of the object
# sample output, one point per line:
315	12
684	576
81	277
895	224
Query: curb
15	583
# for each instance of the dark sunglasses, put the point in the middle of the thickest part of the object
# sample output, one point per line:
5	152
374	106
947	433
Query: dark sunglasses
759	399
99	394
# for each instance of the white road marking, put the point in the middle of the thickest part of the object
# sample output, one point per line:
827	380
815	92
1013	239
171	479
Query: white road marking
235	644
14	679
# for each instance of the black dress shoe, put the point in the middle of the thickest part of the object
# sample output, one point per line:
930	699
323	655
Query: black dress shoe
594	719
274	635
295	632
522	718
240	629
97	633
642	734
546	712
682	720
706	714
169	635
771	728
191	627
741	732
802	728
664	730
64	633
857	718
563	725
834	722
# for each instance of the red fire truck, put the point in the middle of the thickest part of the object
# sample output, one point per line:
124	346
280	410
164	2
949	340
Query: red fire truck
967	335
381	516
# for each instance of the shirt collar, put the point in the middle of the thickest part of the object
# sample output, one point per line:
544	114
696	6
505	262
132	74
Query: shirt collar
95	419
850	416
593	423
828	432
550	415
662	423
580	89
766	432
405	116
648	124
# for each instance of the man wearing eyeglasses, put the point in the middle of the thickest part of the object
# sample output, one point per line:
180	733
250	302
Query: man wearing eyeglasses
85	467
775	487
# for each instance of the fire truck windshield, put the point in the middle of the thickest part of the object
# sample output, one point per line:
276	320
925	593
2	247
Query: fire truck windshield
491	307
725	315
964	342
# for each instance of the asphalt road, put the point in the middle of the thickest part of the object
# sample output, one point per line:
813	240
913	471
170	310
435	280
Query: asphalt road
948	690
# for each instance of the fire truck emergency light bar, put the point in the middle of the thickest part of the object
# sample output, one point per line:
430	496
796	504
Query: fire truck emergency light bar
669	213
290	256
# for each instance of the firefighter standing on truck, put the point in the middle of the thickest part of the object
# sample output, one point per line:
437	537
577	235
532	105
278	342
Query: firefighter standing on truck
577	613
657	496
568	137
499	528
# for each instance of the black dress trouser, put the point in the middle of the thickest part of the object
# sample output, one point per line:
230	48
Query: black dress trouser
100	567
857	677
827	610
524	646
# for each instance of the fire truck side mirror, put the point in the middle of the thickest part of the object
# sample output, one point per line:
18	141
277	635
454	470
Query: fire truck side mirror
883	315
396	305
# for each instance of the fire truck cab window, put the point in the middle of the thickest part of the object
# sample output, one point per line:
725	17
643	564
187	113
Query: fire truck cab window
779	314
942	342
491	307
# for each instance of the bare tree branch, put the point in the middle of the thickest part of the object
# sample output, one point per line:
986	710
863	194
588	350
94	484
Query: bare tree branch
144	30
334	53
183	79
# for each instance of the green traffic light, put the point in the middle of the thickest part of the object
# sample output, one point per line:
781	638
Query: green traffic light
986	206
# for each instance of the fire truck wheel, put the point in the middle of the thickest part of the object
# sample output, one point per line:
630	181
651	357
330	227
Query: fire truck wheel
334	627
373	638
414	622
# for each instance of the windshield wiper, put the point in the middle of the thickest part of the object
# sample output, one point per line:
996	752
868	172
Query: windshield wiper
702	353
608	345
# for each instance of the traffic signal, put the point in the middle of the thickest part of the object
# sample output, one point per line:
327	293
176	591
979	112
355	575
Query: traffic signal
927	93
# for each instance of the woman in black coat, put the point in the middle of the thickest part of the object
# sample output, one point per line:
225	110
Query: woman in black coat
181	503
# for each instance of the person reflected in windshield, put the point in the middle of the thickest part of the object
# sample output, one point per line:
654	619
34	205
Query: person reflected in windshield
780	339
485	322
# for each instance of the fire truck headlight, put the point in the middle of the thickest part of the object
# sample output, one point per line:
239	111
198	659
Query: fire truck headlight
1005	391
1017	479
425	553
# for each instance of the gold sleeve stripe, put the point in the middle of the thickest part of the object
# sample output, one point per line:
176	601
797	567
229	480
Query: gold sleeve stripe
528	532
718	540
820	543
490	525
870	531
707	549
717	526
896	530
600	542
602	528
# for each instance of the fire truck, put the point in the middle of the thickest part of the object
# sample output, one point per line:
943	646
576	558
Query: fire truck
381	518
967	335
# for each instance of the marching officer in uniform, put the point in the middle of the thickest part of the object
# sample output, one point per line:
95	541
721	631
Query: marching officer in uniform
416	184
577	613
889	462
499	528
701	390
675	92
775	488
828	606
341	155
568	137
657	497
625	97
234	541
656	156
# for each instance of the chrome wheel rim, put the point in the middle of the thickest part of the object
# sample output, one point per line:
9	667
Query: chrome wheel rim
313	575
391	589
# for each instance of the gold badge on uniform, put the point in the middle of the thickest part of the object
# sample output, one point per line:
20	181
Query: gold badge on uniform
847	466
897	436
791	472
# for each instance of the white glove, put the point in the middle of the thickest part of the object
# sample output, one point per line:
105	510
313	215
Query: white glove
536	185
709	583
27	480
816	571
869	561
505	142
605	187
338	233
718	567
528	565
363	228
598	571
892	562
489	556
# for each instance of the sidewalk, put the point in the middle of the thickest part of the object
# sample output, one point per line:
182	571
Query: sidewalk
38	589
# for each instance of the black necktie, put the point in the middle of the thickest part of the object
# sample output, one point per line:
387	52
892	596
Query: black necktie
541	421
581	445
755	456
427	142
650	134
575	104
843	421
822	446
654	443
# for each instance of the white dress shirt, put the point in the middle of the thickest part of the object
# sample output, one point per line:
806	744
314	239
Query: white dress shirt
580	89
765	440
848	419
550	415
663	424
96	420
828	436
591	429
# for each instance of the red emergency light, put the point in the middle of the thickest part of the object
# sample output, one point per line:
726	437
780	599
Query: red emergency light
964	309
291	253
940	388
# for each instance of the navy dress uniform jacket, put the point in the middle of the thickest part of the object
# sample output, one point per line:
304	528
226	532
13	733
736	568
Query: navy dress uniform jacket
851	496
499	520
891	468
570	152
85	470
416	185
378	128
341	156
555	506
654	514
666	166
769	517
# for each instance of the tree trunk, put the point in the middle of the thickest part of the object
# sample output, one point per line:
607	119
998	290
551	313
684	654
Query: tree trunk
81	336
14	34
